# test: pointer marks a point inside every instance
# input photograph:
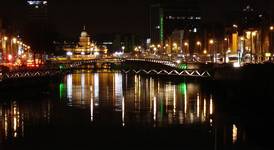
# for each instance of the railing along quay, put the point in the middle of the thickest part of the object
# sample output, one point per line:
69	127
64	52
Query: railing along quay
28	74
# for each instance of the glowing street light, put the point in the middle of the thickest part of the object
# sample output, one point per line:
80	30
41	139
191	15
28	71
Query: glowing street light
271	28
14	40
174	44
6	38
175	47
205	52
235	26
211	41
9	57
198	43
69	53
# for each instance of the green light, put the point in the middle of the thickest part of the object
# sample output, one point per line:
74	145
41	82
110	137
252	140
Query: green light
161	26
183	66
183	88
161	109
61	90
61	67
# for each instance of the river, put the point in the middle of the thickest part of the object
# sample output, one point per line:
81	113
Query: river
102	109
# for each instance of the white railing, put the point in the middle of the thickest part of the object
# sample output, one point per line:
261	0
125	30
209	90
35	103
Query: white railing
191	73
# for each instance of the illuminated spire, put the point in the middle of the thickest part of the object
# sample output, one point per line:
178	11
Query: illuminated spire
84	28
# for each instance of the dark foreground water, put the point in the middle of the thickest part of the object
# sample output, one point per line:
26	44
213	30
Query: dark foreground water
111	110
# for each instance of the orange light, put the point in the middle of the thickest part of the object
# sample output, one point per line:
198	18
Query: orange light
9	57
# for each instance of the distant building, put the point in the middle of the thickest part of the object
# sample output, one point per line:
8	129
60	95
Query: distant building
85	47
168	18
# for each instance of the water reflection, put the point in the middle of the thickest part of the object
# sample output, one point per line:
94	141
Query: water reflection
234	133
141	101
15	115
92	101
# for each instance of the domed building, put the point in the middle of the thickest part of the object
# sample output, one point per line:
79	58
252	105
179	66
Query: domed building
85	47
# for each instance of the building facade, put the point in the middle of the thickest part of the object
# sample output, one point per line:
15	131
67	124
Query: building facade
178	22
85	47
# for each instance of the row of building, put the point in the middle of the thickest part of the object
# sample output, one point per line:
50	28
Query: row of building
13	51
182	28
175	27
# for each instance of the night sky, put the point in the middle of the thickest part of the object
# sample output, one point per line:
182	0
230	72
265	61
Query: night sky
111	16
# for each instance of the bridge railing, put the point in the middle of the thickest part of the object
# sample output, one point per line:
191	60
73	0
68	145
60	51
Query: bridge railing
164	62
28	74
189	73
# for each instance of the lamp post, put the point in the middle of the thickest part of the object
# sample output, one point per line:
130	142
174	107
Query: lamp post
253	34
4	47
227	48
186	47
211	43
199	44
174	47
271	28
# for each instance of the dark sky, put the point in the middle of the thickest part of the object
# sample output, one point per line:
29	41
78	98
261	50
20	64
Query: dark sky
111	16
104	16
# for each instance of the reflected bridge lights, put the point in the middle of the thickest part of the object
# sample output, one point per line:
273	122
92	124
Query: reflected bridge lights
91	104
123	111
234	133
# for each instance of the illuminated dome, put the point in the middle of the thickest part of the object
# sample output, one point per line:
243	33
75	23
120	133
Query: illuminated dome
84	34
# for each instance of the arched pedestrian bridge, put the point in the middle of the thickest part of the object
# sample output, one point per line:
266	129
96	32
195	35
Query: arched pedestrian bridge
137	65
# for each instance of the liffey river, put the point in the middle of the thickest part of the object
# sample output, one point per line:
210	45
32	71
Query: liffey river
111	109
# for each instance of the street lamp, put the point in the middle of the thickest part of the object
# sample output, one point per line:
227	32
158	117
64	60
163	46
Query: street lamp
211	42
205	52
14	40
253	34
271	28
5	38
175	47
186	47
198	43
123	48
235	26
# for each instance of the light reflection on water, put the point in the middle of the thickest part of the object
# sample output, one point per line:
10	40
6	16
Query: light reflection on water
119	100
139	100
14	115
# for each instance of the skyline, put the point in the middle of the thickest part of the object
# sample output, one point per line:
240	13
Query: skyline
69	17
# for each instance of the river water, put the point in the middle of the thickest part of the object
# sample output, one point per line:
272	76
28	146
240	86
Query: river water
109	109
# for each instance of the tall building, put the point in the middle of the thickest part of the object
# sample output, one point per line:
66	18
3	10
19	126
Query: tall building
37	25
256	22
167	18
